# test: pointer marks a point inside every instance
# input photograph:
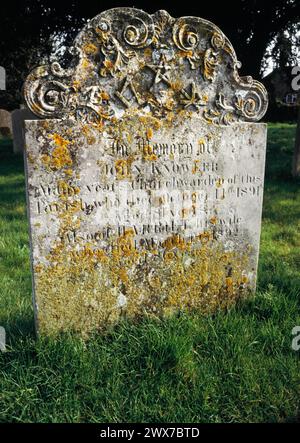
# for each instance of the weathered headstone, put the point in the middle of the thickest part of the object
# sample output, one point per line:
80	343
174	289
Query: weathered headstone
145	176
2	79
18	117
5	123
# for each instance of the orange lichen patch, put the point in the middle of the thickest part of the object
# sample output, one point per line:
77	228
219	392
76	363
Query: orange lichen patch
213	220
104	95
91	140
108	64
149	133
85	129
126	243
205	237
90	48
170	117
99	125
150	121
60	156
169	255
196	166
123	275
101	255
148	52
244	279
148	154
85	64
68	172
175	241
66	190
187	54
59	140
229	281
176	85
123	168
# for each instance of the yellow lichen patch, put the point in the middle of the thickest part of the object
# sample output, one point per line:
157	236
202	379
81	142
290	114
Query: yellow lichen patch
108	64
149	121
184	212
169	255
104	95
175	241
76	85
90	48
66	190
60	156
201	141
176	85
148	52
91	140
60	141
90	289
123	168
68	172
186	54
126	243
85	64
149	133
148	154
213	220
205	237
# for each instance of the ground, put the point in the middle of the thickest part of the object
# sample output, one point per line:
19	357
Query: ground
237	366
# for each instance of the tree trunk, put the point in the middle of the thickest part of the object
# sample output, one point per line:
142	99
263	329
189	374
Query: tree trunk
296	159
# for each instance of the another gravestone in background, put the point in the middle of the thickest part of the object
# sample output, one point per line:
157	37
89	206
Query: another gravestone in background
18	117
145	176
281	96
2	79
284	87
5	123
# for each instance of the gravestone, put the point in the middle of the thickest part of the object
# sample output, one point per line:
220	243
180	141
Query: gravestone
5	123
145	175
2	79
18	117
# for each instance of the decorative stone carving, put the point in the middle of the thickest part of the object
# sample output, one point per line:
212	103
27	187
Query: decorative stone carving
128	59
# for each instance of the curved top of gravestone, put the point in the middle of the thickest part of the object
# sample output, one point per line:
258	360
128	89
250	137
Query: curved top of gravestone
127	61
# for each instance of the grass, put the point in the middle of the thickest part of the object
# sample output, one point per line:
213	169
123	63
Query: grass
229	367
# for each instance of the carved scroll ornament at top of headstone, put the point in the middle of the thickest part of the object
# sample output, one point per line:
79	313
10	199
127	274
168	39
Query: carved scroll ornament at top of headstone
127	61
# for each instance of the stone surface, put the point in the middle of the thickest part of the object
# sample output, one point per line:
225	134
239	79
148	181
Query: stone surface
145	176
5	123
18	117
2	79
